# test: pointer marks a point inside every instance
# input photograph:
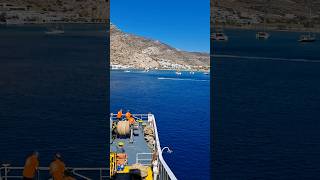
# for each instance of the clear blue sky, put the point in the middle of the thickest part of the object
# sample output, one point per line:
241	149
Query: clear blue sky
183	24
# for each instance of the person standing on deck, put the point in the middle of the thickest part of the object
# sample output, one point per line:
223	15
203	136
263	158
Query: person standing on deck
57	168
131	120
128	115
120	147
31	166
119	115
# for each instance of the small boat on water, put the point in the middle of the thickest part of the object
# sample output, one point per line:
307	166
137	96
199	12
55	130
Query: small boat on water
127	71
57	30
178	73
219	36
262	35
135	151
307	38
54	32
191	72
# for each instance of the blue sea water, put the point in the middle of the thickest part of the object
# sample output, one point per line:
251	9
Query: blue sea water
181	105
53	95
266	108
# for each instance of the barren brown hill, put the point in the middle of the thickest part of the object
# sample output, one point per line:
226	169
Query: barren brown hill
285	12
86	9
140	52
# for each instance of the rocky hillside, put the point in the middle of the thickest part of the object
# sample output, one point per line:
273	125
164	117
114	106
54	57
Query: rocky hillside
277	12
44	11
138	52
274	7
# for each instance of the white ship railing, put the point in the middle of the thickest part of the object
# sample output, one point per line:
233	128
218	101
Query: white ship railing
8	172
164	172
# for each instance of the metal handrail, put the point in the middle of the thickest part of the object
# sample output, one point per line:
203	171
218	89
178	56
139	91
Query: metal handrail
140	116
75	171
167	174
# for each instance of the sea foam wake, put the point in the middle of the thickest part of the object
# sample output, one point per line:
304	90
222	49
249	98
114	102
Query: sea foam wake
265	58
181	79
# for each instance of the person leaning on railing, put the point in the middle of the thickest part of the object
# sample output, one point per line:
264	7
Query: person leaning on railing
119	115
128	115
57	168
31	166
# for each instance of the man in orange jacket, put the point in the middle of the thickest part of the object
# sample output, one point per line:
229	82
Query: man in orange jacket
57	168
31	166
131	120
119	115
128	115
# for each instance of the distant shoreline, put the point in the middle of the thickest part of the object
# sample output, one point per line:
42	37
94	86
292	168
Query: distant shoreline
274	28
43	24
182	70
